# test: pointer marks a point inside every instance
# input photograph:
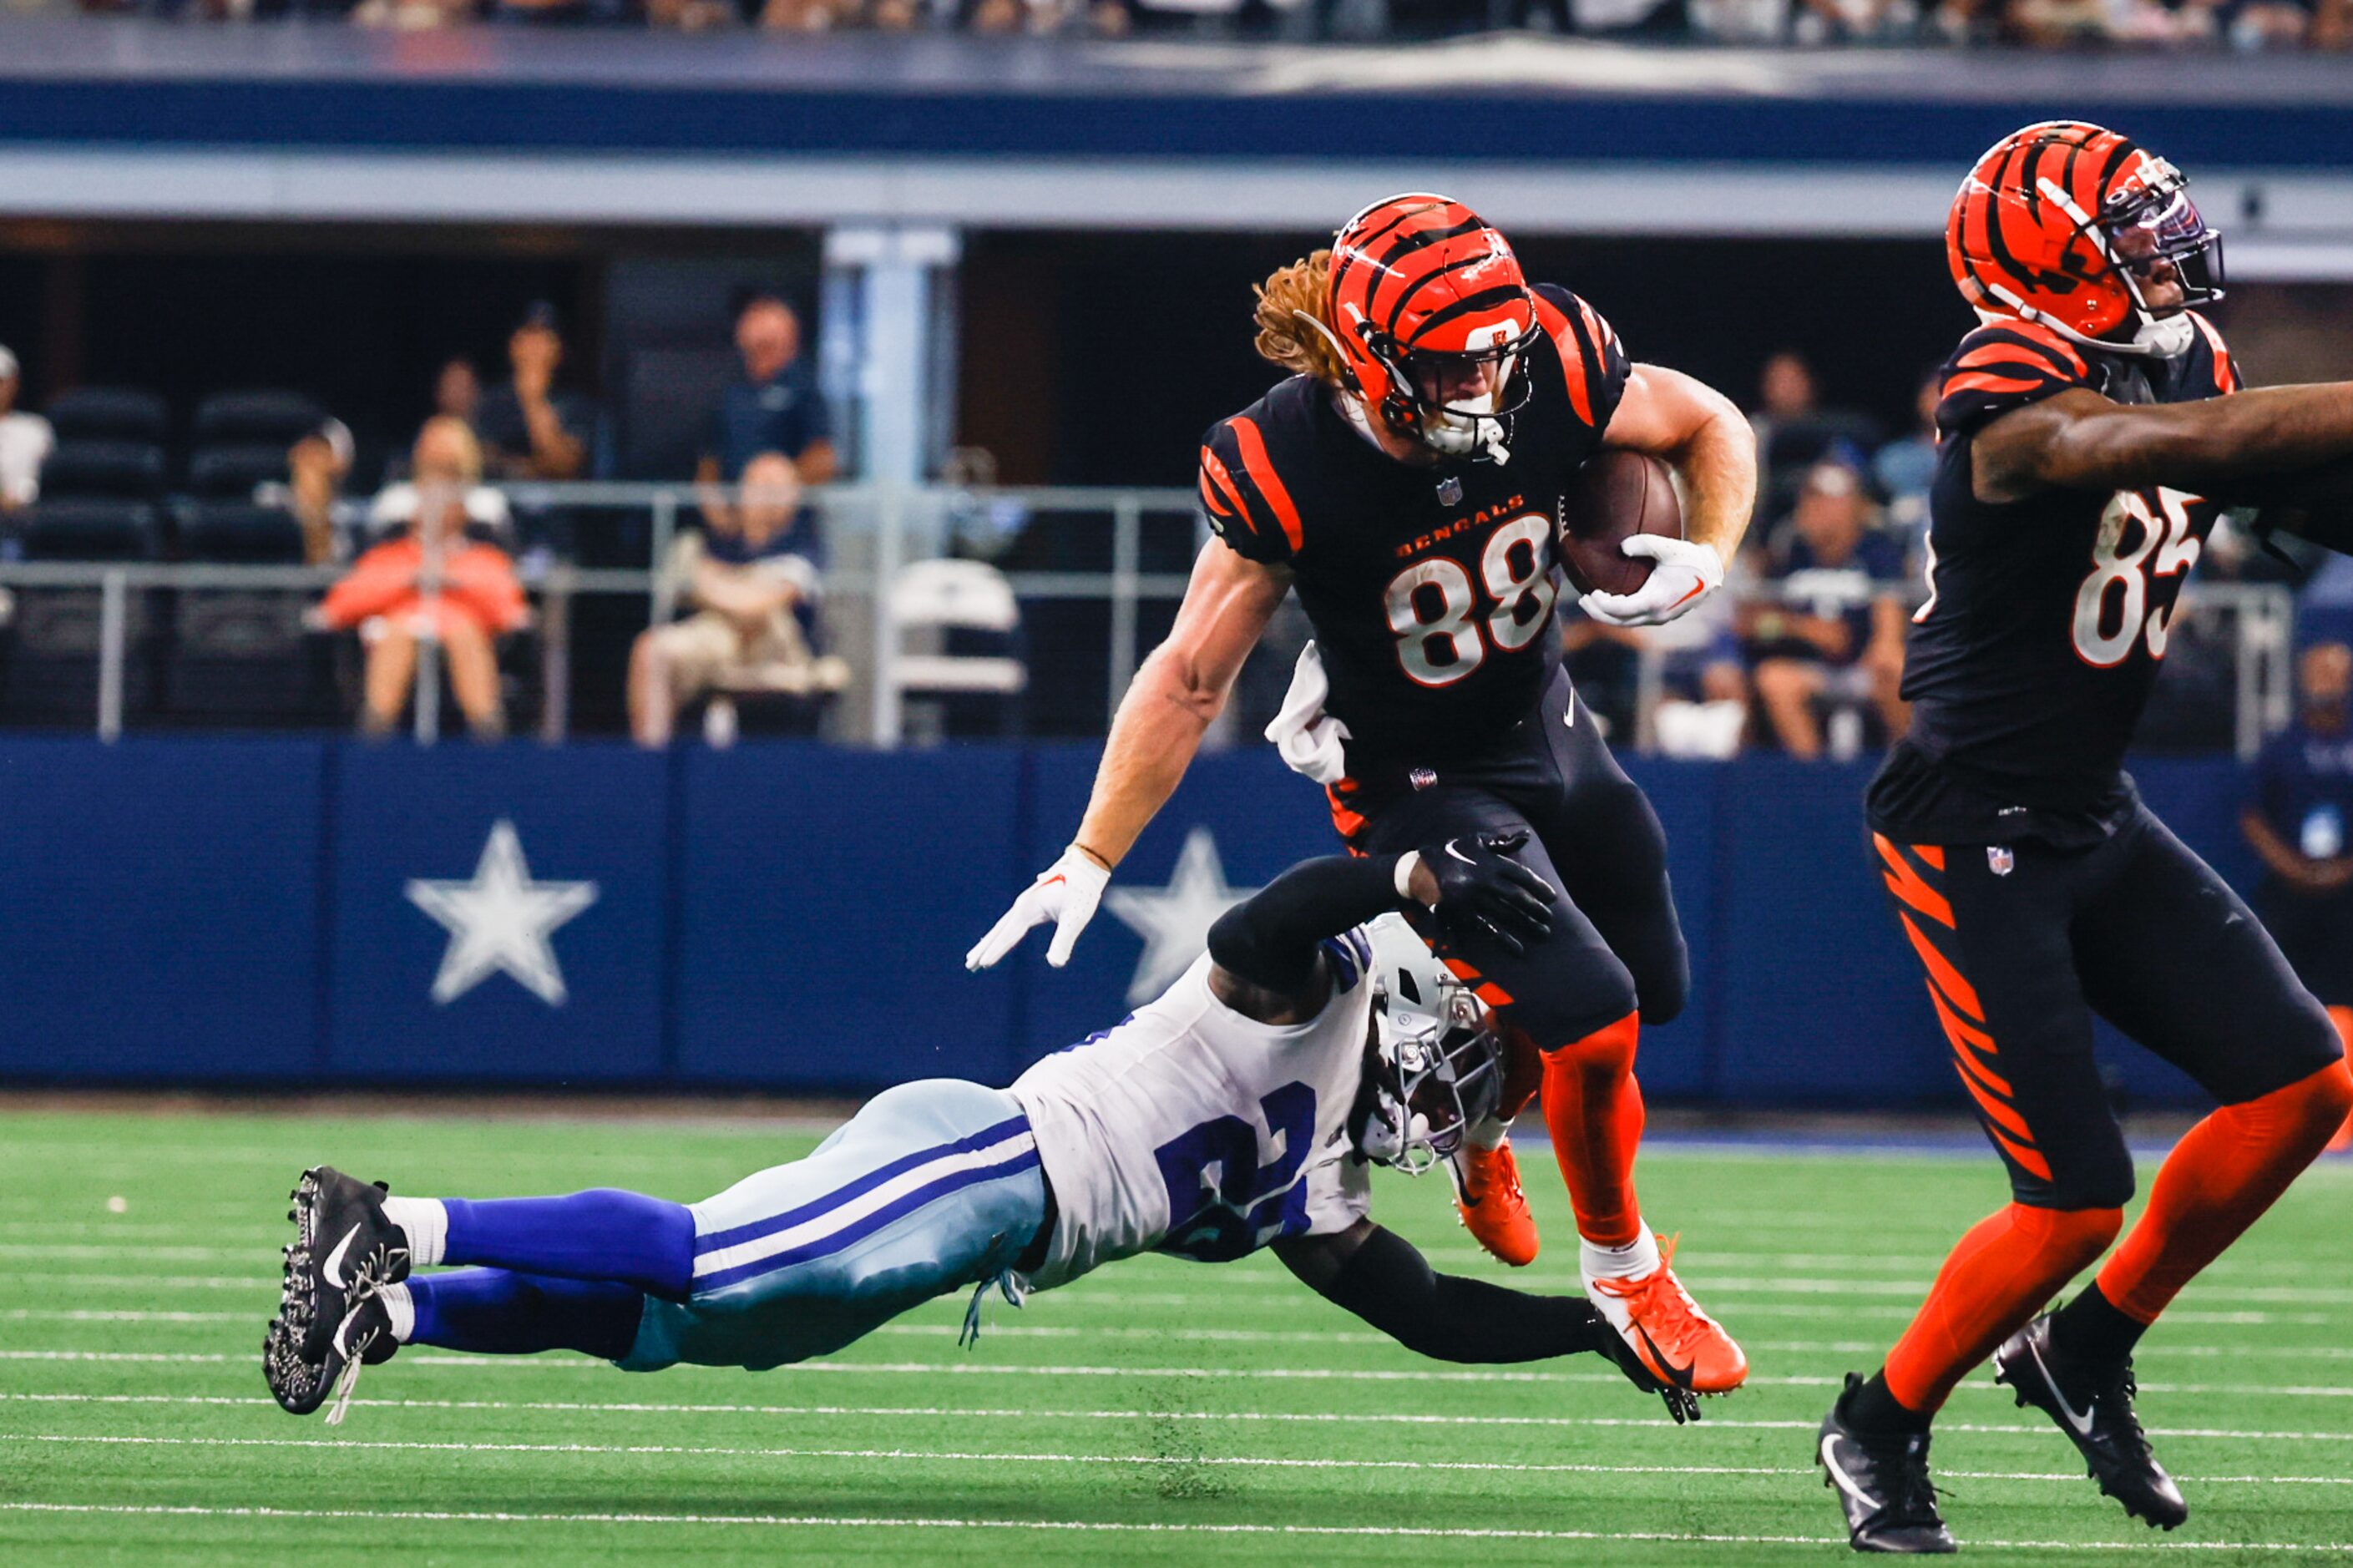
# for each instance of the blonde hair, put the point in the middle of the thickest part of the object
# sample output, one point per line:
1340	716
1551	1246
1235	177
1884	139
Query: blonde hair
1289	293
466	448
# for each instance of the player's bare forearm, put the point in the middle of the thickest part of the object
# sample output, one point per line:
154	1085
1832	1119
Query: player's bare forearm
1180	690
1159	728
1702	435
2081	441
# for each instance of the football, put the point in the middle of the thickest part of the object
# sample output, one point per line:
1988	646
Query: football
1614	497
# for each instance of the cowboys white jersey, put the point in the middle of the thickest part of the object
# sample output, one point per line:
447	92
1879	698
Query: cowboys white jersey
1192	1130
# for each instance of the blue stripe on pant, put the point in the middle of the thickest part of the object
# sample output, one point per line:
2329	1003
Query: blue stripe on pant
930	1187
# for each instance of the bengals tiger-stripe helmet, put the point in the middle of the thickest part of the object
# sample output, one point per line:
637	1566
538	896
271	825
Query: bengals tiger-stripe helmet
2064	223
1433	315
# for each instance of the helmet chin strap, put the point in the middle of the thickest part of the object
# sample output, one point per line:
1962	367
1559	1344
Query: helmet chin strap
1460	435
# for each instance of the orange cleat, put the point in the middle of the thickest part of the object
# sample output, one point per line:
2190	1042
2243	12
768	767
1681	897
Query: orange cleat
1487	1195
1670	1335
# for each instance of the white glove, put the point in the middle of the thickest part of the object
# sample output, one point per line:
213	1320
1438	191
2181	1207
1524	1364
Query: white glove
1066	893
1308	741
1686	573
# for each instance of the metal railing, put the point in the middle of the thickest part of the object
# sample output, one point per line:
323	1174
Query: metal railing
870	531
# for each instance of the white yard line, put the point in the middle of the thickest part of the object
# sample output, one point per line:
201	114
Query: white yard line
926	1455
984	1369
936	1412
853	1521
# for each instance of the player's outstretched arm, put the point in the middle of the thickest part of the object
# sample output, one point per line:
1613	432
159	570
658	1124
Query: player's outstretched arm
1264	952
2082	440
1702	435
1378	1276
1180	688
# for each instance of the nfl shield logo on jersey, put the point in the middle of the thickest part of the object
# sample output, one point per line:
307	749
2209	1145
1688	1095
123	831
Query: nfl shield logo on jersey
1422	778
2000	860
1450	491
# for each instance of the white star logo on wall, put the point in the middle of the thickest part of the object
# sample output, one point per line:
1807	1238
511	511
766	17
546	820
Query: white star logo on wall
500	920
1175	921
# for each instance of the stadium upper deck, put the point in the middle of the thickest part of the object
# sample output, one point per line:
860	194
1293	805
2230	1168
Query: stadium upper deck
131	120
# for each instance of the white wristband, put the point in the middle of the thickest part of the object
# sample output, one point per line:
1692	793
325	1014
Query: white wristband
1402	879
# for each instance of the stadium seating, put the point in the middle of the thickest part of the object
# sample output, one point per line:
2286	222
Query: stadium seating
110	414
230	473
255	418
54	651
978	675
104	470
246	657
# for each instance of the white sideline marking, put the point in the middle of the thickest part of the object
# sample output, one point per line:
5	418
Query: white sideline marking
934	1412
953	1456
854	1521
976	1369
96	1315
254	1282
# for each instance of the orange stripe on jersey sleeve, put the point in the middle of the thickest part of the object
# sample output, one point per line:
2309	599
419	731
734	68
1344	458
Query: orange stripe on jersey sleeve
1930	855
1261	469
1982	381
2051	343
2225	377
1214	474
2009	356
1554	321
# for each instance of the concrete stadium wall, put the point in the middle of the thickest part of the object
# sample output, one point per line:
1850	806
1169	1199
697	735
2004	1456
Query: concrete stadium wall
794	917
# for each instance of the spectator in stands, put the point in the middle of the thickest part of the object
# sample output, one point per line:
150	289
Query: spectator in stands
529	430
1794	431
776	408
1905	468
316	467
750	580
25	441
457	390
432	582
2296	820
1829	624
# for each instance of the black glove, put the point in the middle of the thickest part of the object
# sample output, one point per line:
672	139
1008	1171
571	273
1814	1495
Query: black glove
1484	892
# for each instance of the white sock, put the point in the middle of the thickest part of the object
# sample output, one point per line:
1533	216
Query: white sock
1487	1132
1631	1261
426	1223
402	1310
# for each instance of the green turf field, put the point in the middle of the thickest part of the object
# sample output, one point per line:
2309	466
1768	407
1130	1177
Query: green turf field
1157	1411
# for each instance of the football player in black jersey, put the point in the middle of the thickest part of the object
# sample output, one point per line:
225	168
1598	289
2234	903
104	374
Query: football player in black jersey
1407	480
2090	432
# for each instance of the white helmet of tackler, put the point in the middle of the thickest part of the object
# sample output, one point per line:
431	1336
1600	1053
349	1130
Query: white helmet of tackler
1433	1066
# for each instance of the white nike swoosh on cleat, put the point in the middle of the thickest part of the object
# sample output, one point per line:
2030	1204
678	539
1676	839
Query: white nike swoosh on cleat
2081	1423
1458	854
1838	1474
332	1271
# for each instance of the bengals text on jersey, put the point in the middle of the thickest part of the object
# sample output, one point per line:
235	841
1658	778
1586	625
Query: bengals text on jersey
1430	587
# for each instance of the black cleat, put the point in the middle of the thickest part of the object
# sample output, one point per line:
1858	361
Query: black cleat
1681	1403
2094	1408
343	1247
1883	1486
302	1382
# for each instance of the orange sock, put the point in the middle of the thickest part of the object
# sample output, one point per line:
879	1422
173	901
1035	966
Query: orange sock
2219	1180
2002	1273
1593	1107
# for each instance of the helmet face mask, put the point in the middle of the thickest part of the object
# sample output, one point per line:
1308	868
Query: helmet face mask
1428	301
2075	226
2159	225
1432	1067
